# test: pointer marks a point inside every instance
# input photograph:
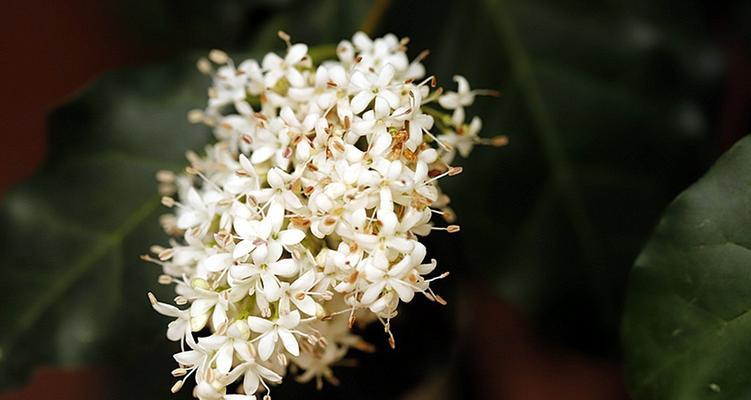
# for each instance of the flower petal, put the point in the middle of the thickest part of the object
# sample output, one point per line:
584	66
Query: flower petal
361	101
189	358
295	53
266	345
250	382
289	237
224	358
286	267
405	292
243	248
289	342
259	325
373	292
306	305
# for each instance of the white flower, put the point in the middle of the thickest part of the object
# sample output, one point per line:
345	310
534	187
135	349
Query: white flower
179	329
297	293
272	331
195	212
307	212
265	238
277	67
379	86
456	101
253	373
462	140
225	346
207	304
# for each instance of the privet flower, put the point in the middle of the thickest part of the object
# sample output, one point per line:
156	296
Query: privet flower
304	217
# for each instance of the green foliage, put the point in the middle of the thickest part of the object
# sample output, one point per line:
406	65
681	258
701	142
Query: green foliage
603	106
598	146
687	326
71	236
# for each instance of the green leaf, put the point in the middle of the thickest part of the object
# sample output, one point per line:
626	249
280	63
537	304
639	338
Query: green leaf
687	326
554	220
71	235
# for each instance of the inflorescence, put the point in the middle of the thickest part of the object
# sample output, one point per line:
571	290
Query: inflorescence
303	218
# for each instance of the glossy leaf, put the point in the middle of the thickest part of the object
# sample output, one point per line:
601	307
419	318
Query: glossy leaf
687	327
554	220
70	237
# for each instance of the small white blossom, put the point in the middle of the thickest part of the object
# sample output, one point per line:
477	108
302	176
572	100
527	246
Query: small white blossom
272	331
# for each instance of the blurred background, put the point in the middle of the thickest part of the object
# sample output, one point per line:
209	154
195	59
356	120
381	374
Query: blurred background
611	107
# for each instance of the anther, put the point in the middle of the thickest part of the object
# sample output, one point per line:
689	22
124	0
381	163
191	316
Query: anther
165	176
177	386
166	254
455	171
168	202
452	228
204	66
284	36
499	141
218	56
165	279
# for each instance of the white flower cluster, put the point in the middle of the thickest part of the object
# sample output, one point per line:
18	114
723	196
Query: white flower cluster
304	217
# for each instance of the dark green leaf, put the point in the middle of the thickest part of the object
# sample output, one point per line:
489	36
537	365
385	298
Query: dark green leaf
687	327
72	234
554	220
